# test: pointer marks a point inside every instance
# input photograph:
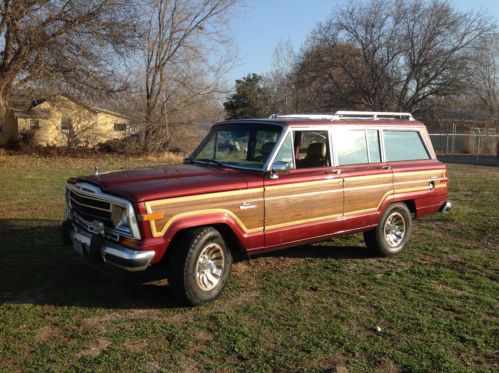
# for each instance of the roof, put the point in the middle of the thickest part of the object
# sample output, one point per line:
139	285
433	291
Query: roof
23	103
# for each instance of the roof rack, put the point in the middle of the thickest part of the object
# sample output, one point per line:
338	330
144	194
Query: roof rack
305	116
341	114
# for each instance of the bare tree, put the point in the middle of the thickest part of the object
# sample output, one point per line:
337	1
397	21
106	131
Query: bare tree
279	81
413	51
483	76
178	70
72	42
321	83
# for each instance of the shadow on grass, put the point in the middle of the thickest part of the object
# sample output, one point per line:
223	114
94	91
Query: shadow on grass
483	160
37	268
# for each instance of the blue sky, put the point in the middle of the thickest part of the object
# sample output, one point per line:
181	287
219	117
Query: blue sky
263	23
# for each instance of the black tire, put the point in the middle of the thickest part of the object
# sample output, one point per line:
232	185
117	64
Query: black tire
386	239
189	274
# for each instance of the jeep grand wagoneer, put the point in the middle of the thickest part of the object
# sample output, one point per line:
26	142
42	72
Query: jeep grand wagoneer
258	185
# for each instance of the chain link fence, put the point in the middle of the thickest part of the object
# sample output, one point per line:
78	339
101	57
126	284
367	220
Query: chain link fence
474	147
465	143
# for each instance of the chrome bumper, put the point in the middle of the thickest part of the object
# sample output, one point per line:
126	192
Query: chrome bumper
110	253
446	207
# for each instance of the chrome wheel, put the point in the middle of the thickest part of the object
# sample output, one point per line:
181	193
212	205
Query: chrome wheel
395	229
210	266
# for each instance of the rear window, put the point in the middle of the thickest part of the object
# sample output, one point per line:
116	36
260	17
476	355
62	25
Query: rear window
404	146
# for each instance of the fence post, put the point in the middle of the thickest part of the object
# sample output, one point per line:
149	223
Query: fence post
453	138
478	150
447	144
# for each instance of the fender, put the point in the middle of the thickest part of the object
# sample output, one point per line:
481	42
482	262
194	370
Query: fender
423	200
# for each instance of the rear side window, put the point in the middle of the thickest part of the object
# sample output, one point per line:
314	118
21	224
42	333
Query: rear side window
351	147
404	146
357	146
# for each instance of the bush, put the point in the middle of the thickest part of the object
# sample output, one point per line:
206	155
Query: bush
127	145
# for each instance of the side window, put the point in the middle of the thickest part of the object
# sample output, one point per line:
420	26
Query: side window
351	147
66	125
120	127
311	149
373	146
285	154
404	146
34	124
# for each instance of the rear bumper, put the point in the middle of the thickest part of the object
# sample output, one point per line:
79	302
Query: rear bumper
96	248
446	207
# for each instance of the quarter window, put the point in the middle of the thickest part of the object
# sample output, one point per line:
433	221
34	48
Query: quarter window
373	146
404	146
285	154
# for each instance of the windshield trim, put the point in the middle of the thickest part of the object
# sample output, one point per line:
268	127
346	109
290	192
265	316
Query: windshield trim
265	166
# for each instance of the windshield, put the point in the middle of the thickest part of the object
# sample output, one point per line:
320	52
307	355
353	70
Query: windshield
240	145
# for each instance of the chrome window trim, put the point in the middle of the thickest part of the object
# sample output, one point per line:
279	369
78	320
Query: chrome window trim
96	193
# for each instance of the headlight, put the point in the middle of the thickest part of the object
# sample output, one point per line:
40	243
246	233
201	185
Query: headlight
119	215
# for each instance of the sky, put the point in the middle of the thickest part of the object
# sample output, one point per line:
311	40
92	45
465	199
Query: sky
263	23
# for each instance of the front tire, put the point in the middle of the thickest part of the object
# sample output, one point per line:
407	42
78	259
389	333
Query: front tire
393	232
199	266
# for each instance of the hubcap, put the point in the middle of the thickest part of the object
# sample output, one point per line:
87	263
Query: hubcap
210	266
394	229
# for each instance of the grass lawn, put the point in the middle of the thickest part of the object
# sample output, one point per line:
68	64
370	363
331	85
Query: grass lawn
314	308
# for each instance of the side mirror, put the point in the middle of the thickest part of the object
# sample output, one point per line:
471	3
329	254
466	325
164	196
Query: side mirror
279	167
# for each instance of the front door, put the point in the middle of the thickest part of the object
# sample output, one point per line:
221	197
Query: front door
307	201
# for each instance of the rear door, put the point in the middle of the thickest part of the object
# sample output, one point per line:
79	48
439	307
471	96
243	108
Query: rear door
367	179
307	201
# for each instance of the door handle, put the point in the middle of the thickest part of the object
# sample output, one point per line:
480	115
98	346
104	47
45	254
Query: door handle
336	172
386	167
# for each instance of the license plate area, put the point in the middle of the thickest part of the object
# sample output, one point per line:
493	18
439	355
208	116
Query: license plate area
81	243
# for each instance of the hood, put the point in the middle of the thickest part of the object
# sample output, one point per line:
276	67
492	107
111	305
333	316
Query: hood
151	183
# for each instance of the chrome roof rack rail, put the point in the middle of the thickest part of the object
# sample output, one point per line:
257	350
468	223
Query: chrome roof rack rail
374	115
305	116
342	114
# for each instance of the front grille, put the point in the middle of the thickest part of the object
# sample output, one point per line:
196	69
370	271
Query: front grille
90	208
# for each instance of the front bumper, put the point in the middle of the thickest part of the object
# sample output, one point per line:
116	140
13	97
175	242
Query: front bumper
97	248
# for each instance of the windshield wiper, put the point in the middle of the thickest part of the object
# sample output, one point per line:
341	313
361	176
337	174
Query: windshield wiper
209	160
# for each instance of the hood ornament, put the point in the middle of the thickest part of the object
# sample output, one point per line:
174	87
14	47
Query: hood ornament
96	171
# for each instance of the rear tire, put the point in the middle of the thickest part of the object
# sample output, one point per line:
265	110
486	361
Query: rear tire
393	232
199	266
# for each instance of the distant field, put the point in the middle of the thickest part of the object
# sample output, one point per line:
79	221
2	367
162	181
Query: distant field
312	308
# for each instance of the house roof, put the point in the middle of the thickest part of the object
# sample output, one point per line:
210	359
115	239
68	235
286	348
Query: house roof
24	104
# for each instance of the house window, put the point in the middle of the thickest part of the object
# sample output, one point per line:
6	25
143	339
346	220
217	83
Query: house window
66	125
34	124
120	127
